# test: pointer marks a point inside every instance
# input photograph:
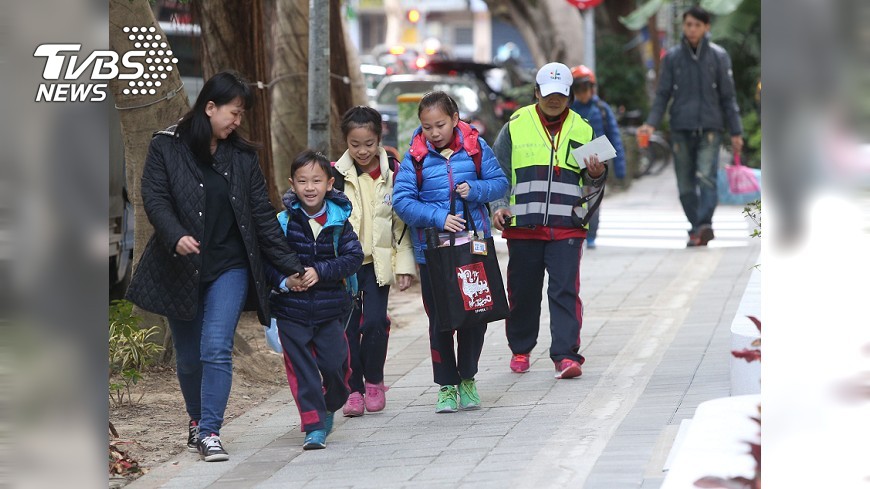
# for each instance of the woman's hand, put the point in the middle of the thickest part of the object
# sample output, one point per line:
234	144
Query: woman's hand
454	223
404	281
294	283
187	245
463	189
594	167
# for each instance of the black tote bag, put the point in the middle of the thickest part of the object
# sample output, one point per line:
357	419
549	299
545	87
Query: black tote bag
467	287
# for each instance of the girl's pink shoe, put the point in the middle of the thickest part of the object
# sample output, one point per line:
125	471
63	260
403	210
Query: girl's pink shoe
354	406
375	398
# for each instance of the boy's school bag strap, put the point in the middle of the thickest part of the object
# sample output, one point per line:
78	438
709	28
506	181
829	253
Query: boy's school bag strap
283	219
350	283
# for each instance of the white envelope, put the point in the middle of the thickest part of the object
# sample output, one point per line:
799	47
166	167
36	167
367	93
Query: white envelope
600	145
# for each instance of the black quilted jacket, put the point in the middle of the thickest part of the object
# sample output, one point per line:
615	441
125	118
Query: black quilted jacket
167	283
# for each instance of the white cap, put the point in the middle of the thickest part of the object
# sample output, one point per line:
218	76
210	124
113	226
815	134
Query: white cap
554	78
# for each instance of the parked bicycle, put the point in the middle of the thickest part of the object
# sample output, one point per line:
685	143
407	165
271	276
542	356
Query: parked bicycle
653	153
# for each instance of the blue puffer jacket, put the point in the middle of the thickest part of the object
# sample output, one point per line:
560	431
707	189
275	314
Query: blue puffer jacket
600	116
429	205
328	299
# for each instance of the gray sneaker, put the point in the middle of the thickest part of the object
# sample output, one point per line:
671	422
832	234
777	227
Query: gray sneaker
192	436
211	450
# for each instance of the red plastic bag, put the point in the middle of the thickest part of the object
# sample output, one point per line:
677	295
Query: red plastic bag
741	180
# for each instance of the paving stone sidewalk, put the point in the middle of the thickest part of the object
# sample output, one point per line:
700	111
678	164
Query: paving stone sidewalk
656	340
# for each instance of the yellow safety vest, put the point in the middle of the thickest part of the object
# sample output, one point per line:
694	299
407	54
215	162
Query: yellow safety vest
545	177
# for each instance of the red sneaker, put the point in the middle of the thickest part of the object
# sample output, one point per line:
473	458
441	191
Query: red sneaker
520	363
568	369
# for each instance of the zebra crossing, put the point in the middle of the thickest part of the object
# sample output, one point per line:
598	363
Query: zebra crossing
667	228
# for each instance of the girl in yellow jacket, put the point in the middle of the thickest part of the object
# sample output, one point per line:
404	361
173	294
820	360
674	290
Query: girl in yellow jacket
365	173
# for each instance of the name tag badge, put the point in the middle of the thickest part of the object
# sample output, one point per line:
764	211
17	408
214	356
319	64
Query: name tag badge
478	247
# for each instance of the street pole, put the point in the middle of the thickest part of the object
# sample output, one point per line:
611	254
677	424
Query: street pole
589	42
318	75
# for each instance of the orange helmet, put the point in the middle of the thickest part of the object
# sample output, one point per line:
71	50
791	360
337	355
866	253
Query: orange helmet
583	74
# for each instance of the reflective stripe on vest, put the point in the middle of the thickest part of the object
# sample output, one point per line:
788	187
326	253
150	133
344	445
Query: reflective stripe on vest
541	195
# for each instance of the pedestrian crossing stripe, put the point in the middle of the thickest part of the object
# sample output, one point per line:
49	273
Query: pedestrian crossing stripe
666	229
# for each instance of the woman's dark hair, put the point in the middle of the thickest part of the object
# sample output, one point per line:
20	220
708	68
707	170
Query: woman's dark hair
311	157
195	127
438	99
698	13
362	116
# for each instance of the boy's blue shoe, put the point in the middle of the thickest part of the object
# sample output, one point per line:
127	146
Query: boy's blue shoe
327	423
315	440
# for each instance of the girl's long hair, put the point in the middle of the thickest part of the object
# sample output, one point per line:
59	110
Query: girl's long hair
195	127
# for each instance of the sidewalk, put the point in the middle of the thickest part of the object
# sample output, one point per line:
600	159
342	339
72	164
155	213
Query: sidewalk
656	342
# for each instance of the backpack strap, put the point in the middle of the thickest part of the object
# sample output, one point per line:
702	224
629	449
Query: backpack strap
394	165
351	283
478	164
338	184
336	234
283	219
476	158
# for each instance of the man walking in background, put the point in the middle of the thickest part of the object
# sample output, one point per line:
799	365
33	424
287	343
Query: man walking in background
697	75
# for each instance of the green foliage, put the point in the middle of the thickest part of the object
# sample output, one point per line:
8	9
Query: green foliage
752	139
130	351
740	34
637	19
753	212
621	79
720	7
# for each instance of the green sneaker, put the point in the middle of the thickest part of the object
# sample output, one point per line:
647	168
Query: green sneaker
446	400
468	397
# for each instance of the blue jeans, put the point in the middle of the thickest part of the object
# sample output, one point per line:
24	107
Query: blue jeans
204	348
696	162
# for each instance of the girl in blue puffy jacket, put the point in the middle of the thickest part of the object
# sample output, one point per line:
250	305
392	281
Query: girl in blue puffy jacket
311	308
447	156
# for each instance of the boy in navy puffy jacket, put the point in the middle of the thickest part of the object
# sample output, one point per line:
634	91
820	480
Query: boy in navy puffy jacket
311	309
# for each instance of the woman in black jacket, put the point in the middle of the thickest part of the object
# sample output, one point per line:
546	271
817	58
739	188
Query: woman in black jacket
206	197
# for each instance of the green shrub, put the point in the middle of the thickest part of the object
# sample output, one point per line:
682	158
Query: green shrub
130	351
620	74
752	139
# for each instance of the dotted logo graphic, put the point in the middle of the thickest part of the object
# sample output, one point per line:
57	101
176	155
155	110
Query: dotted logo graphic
159	61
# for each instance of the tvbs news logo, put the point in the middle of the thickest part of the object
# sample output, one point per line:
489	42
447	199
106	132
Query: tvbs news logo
145	68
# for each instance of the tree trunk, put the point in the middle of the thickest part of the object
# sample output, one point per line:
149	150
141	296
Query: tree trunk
233	37
152	113
553	29
290	88
393	12
614	9
348	87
